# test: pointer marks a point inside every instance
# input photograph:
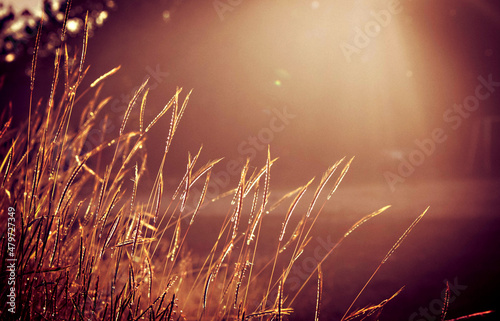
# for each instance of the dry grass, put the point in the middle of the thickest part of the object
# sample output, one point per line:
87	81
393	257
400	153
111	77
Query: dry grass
87	248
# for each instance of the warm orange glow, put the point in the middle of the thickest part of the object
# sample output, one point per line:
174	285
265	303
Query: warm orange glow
240	160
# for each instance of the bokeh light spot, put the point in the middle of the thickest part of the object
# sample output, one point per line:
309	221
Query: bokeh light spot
10	57
110	4
55	5
166	16
74	25
17	26
103	15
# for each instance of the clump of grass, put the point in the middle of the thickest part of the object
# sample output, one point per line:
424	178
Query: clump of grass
88	248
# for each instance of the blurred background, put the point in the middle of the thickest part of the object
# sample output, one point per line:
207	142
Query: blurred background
411	88
363	78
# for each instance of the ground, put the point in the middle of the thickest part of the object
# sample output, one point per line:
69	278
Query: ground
457	241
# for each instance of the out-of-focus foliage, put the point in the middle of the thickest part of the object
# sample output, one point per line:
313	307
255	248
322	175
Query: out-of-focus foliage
18	30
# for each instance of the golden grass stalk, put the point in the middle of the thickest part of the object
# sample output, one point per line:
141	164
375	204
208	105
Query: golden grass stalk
319	292
473	315
324	181
386	257
163	111
292	208
270	312
370	310
341	177
202	197
446	302
131	105
106	75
